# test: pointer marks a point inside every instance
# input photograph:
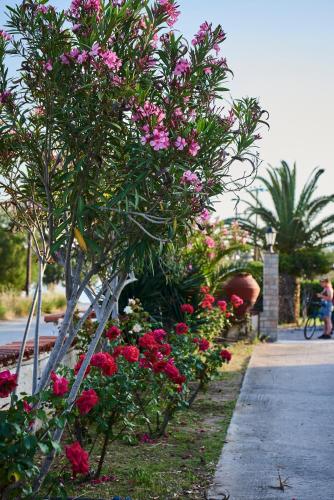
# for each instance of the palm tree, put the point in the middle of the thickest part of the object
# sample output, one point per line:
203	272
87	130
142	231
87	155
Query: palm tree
299	226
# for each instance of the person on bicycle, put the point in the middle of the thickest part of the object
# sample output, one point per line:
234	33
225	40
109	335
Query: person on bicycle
326	297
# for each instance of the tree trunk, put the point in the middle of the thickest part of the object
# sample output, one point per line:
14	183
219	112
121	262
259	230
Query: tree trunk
28	266
296	302
287	286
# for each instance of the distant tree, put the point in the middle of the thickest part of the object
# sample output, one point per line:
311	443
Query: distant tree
301	231
12	259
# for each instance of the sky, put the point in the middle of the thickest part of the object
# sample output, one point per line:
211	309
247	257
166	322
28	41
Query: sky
281	51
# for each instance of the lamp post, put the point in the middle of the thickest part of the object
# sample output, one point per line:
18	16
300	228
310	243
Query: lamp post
269	316
270	238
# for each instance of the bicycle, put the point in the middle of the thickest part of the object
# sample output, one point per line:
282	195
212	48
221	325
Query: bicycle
313	315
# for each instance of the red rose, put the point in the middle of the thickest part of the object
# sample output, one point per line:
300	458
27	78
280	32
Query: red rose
147	341
226	355
78	458
26	406
87	401
165	349
181	328
207	301
159	366
79	363
236	301
228	315
203	345
174	374
117	351
60	384
159	334
104	361
113	332
222	305
204	289
187	309
131	353
7	383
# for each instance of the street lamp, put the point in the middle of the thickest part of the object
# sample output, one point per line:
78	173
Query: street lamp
270	238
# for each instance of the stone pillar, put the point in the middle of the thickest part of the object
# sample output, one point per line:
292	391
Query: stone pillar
269	316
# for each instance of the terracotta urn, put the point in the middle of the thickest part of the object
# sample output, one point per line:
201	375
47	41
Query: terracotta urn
246	287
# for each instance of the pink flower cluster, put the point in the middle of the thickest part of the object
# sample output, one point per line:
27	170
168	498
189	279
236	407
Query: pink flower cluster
148	110
204	30
159	139
85	6
108	57
5	36
192	179
4	96
182	67
170	9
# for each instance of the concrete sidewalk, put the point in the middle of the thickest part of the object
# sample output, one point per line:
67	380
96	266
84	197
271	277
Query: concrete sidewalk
283	424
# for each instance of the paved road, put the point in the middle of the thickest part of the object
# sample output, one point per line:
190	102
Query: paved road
11	331
283	424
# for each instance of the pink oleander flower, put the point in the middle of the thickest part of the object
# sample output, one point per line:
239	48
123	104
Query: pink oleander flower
87	6
147	111
182	67
178	114
160	138
64	59
74	53
180	143
82	58
205	215
47	66
208	70
95	50
5	36
117	3
170	9
189	177
76	27
4	96
210	243
204	30
111	59
192	114
194	147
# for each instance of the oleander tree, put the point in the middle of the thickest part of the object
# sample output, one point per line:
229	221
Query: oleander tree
114	136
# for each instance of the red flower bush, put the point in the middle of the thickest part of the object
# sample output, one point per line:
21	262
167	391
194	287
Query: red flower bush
147	341
7	383
87	401
207	301
236	301
159	334
187	309
226	355
203	344
173	373
105	362
113	332
78	458
60	384
79	363
181	329
130	353
222	304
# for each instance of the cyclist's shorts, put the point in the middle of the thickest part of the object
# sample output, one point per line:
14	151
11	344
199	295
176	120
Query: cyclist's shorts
325	309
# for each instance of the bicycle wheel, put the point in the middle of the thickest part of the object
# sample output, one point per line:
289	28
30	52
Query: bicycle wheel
310	327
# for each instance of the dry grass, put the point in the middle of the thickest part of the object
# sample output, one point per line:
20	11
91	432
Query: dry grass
13	305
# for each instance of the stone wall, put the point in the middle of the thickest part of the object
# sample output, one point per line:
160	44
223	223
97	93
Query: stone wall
269	316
